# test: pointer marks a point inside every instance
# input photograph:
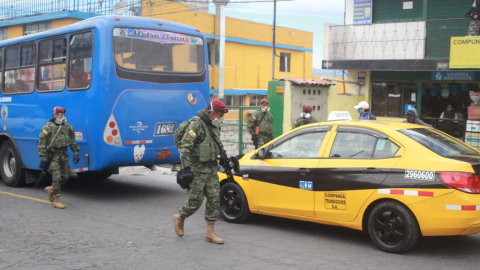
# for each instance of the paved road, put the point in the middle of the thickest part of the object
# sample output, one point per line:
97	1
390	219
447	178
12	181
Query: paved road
126	223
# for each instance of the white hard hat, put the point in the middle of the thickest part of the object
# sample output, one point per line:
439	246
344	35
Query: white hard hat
362	105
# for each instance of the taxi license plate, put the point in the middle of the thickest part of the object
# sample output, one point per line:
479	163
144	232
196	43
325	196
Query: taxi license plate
163	154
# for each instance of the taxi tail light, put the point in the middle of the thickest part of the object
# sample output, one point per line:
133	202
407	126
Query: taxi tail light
111	133
466	182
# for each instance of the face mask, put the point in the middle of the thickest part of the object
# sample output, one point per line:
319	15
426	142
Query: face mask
217	122
359	111
449	109
264	109
307	115
60	121
474	5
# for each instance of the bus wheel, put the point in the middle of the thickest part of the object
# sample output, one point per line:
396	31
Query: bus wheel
94	176
10	165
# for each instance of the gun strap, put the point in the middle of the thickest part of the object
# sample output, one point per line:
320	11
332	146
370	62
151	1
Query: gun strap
265	113
58	130
213	137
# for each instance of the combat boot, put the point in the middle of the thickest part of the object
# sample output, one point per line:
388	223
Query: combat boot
57	203
49	192
178	221
211	235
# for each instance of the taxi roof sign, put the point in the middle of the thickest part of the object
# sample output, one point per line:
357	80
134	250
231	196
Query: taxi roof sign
339	116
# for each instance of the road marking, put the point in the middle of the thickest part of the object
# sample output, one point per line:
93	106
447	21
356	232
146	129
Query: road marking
25	197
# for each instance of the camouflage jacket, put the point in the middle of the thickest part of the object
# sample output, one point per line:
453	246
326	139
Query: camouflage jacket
197	148
64	138
265	125
303	121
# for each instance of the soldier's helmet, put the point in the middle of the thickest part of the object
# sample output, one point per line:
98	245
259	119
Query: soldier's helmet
59	109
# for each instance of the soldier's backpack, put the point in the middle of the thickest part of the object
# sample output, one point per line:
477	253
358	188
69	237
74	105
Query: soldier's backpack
178	135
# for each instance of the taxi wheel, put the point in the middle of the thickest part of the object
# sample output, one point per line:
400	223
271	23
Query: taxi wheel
233	204
392	227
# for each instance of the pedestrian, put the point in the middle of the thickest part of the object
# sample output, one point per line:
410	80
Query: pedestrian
305	118
473	14
199	149
412	117
260	125
448	126
364	110
57	136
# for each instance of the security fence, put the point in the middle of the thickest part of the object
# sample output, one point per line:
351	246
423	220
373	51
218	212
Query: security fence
234	136
10	9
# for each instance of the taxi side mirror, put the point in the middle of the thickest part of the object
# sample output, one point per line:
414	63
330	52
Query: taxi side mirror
260	153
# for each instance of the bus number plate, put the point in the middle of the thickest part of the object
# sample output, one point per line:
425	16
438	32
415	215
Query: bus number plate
163	154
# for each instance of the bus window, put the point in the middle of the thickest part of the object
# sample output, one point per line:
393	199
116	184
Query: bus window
19	69
52	63
1	69
80	61
158	51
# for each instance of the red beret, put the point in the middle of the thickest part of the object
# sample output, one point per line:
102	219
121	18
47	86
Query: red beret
264	101
59	109
307	108
219	106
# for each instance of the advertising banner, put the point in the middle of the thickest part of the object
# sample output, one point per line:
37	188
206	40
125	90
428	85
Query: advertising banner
362	12
464	52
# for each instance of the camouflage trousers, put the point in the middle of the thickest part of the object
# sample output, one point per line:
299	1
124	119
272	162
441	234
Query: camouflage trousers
203	185
263	139
59	170
473	28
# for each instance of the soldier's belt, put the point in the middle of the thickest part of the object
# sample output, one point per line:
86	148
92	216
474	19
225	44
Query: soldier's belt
65	148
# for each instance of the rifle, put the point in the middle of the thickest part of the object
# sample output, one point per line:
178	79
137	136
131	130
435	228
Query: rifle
228	164
44	172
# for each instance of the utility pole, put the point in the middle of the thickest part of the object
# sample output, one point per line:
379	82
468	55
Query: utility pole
273	42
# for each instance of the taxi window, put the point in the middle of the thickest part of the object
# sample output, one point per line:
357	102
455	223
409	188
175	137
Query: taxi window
385	148
437	142
353	145
305	145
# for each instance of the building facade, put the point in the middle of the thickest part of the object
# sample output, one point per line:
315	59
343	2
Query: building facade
400	55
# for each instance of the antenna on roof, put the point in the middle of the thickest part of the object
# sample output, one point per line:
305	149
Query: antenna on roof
121	7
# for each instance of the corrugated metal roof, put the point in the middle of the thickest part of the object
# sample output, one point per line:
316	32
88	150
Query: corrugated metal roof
308	82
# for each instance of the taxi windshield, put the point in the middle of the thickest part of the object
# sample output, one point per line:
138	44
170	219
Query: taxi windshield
437	142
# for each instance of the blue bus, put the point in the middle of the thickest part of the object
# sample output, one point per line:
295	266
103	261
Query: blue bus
125	82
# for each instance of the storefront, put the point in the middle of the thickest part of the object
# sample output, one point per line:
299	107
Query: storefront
429	92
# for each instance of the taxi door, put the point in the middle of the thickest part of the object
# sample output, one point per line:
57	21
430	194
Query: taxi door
357	160
283	181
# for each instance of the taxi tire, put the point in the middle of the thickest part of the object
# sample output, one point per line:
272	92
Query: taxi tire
229	192
380	226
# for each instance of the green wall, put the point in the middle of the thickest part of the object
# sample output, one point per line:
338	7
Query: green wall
392	11
276	106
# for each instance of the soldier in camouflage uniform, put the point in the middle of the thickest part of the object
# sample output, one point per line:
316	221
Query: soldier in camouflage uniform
305	118
56	136
262	119
198	153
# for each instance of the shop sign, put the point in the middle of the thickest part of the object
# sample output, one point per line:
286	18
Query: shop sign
362	12
464	52
453	75
361	78
442	65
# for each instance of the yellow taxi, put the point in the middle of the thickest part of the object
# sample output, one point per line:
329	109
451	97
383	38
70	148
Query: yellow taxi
395	181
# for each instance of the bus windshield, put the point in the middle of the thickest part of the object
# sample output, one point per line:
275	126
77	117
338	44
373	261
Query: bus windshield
158	51
438	142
